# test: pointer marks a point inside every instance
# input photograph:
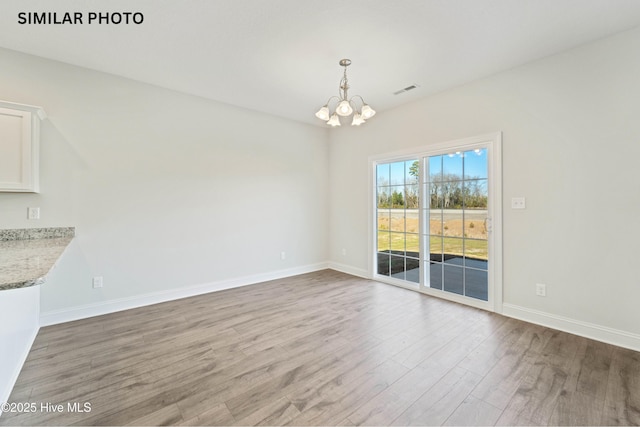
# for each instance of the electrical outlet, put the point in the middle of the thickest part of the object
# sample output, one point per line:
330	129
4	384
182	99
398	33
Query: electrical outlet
518	203
541	290
283	255
344	251
33	213
97	282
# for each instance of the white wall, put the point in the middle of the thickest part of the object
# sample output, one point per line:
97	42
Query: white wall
571	146
166	191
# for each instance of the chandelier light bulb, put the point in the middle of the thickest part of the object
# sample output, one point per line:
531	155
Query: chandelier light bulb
367	112
323	113
334	120
357	120
344	108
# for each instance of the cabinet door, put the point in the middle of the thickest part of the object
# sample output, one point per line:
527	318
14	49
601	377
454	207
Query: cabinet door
18	156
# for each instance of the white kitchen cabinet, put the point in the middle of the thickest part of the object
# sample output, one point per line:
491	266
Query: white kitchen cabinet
19	147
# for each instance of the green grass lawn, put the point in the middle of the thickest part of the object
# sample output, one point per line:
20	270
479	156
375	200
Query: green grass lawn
475	248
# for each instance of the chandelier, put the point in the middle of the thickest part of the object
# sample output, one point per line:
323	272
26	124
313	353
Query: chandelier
345	106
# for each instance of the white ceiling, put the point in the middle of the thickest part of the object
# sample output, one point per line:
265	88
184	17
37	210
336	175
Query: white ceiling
281	56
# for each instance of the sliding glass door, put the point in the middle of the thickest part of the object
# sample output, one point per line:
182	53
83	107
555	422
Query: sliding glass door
458	232
397	222
433	216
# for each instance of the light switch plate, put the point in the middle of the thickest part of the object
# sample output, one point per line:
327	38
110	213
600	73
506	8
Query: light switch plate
518	203
33	213
97	282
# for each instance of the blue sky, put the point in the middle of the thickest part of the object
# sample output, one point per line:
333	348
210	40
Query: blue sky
474	163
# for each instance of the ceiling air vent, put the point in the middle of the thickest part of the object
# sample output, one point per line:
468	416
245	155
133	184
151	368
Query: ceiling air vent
406	89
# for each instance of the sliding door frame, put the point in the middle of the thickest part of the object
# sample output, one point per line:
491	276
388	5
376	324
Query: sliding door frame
493	143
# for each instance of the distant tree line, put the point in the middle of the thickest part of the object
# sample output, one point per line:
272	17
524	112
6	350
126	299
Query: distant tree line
398	200
447	191
450	192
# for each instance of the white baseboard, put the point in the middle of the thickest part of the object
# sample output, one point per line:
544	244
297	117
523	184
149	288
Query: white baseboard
584	329
106	307
354	271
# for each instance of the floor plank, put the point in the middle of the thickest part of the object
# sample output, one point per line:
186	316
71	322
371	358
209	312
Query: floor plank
439	402
323	348
474	412
622	402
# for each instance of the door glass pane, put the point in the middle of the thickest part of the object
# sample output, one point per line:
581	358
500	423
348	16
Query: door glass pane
475	164
452	223
452	166
453	279
382	175
476	283
476	253
435	169
397	243
397	196
435	195
412	272
398	224
475	224
383	219
475	194
384	197
435	223
383	226
435	275
435	248
397	173
457	235
412	222
411	194
384	241
413	245
412	172
383	263
397	267
453	250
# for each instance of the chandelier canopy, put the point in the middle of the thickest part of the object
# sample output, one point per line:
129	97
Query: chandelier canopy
345	106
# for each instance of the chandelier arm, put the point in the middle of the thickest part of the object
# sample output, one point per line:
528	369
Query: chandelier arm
330	98
357	96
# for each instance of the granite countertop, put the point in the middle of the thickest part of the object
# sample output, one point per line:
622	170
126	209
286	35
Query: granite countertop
27	255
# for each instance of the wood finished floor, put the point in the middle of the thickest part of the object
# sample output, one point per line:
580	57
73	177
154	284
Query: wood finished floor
324	348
